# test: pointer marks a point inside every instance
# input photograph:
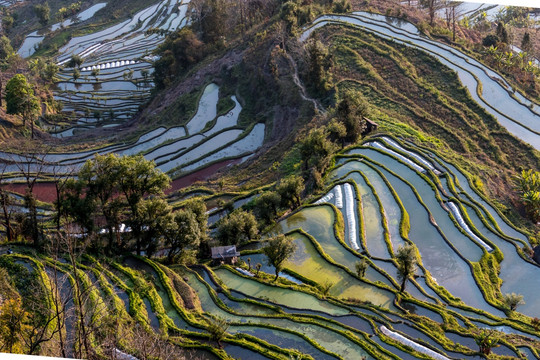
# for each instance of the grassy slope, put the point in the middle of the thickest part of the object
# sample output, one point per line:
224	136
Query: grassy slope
435	108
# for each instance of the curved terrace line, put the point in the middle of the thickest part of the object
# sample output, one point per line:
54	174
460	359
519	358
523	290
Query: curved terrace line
514	115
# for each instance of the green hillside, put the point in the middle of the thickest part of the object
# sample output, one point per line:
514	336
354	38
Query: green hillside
376	170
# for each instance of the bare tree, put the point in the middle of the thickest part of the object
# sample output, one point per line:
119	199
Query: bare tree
37	331
6	201
453	12
60	302
432	7
30	160
149	345
91	309
60	175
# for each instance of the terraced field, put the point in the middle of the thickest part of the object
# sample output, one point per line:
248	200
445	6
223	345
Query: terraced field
115	77
206	138
380	195
516	113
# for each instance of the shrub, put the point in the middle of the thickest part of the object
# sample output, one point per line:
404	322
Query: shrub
490	40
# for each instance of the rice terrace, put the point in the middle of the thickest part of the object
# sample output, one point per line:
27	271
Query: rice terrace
269	179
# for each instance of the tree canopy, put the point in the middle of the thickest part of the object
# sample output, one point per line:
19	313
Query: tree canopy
528	186
237	228
43	12
121	190
278	250
6	50
406	263
351	110
20	99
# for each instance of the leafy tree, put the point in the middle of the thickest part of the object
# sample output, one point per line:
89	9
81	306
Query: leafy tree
154	216
289	14
75	205
513	300
49	72
528	185
138	177
75	7
406	263
63	13
278	250
361	267
535	322
183	234
115	187
6	50
351	111
75	62
7	23
209	18
258	268
325	288
43	12
20	100
337	132
319	61
502	33
342	6
179	52
198	207
100	178
94	73
486	340
267	205
316	149
290	189
236	228
526	43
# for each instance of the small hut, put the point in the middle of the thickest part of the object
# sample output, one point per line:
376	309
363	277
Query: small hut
225	254
370	126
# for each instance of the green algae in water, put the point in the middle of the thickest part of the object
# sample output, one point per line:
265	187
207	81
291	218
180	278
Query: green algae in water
468	248
345	166
309	263
287	297
438	257
319	223
330	340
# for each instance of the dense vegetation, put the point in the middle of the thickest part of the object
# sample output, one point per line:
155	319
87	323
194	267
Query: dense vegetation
372	148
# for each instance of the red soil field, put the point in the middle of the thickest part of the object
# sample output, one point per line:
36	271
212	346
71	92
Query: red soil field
46	192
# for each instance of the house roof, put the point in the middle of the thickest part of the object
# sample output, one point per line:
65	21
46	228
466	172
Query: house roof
222	252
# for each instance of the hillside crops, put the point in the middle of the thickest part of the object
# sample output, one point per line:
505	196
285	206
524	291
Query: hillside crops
439	315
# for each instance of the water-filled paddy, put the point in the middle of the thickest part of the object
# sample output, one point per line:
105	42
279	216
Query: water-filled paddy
495	94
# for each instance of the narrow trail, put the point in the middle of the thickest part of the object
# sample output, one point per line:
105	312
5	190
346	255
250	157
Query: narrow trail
303	91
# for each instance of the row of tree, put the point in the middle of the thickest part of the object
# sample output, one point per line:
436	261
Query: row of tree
123	200
118	203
